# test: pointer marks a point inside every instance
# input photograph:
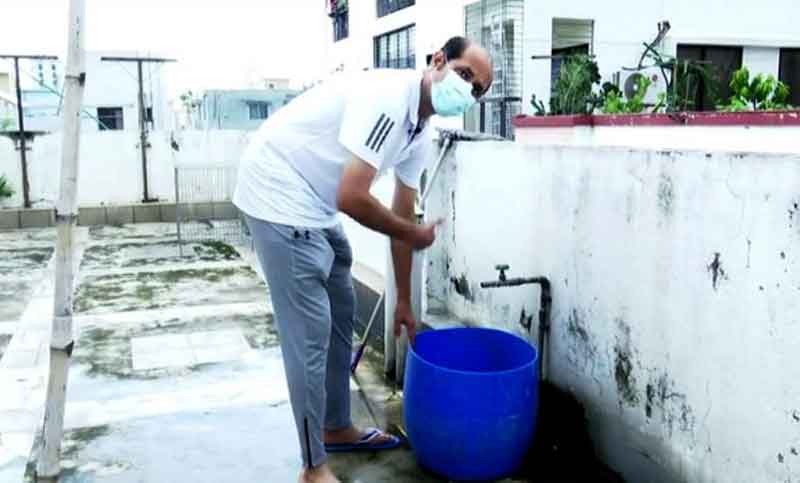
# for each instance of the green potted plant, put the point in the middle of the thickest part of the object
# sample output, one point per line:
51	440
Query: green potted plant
6	191
573	89
757	94
336	7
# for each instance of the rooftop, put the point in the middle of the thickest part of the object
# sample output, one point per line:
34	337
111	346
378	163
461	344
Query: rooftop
176	374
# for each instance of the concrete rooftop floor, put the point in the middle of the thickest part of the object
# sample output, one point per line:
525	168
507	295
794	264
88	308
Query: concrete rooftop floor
176	374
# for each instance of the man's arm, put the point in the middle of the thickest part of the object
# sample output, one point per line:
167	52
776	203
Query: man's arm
402	256
354	199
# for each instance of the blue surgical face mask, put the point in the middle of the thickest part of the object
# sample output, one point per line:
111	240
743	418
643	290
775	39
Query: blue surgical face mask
452	96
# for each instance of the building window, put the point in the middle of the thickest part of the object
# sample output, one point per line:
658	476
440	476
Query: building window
722	62
338	12
340	26
498	25
110	119
259	110
385	7
790	73
570	37
396	49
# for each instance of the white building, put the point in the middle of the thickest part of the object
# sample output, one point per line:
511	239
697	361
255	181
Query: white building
365	34
762	36
401	33
8	104
111	99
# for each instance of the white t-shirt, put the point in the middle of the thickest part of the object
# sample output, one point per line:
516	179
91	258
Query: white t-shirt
290	172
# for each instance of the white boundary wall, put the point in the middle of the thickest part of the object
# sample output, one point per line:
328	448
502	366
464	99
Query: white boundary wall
676	290
111	167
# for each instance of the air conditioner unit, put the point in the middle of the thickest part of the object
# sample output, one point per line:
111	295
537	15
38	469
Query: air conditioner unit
628	83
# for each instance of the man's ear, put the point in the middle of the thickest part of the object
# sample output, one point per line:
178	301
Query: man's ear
438	60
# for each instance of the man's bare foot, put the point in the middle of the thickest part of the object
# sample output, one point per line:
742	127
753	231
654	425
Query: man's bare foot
352	435
320	474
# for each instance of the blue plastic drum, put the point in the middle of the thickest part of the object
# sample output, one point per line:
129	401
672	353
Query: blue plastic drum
471	399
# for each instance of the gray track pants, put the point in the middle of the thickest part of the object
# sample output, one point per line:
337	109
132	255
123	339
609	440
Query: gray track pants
308	273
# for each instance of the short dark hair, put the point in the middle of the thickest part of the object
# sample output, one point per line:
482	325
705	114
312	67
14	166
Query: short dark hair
455	47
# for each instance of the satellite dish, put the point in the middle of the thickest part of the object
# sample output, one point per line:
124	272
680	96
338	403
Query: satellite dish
632	84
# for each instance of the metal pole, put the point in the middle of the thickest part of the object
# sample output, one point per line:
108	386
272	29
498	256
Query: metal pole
61	338
22	147
142	123
143	133
178	212
503	127
483	118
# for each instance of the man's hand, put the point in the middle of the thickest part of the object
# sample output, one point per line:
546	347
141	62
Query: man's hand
404	317
425	235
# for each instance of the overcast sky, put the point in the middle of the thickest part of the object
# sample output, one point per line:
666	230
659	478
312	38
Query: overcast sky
219	43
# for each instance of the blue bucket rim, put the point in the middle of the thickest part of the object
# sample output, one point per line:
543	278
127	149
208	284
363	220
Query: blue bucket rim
413	351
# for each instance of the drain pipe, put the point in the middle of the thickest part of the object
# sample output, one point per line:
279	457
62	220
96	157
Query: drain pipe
545	304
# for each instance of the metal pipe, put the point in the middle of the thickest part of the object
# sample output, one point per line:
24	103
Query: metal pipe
513	282
26	190
461	135
178	211
545	305
143	134
448	138
503	129
23	150
447	142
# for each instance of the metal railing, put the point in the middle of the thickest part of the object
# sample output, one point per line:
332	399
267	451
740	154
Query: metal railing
506	130
197	188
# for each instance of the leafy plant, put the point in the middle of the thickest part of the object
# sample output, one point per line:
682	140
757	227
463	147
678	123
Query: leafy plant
757	94
636	103
190	103
661	102
189	100
538	106
336	7
5	124
682	78
687	78
573	89
614	102
6	191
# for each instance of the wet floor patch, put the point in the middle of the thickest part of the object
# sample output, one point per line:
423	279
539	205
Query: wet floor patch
228	444
74	445
396	466
141	253
28	236
106	351
4	340
143	230
14	295
21	270
179	287
23	259
187	350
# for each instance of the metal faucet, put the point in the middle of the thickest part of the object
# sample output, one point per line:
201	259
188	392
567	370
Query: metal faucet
545	303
